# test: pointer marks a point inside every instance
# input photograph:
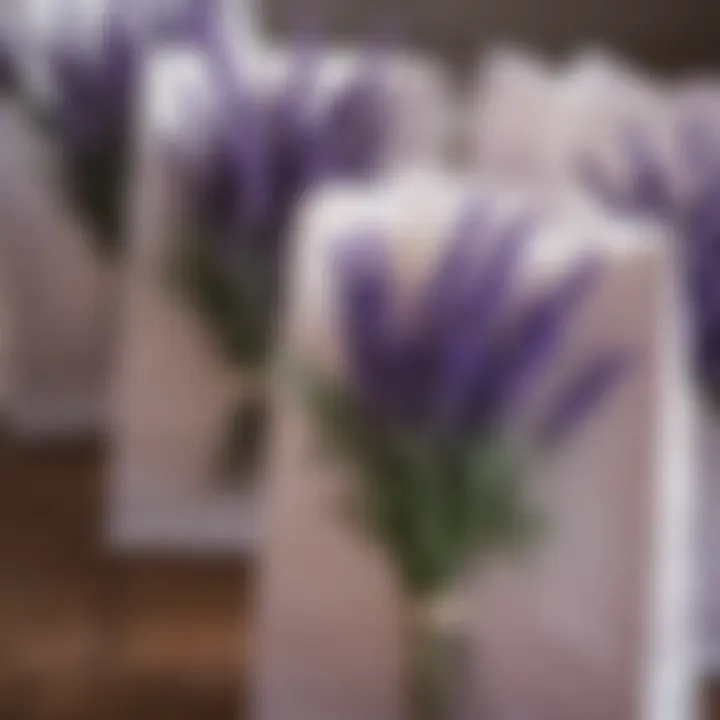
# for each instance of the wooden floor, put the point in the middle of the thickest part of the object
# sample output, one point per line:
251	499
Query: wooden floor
85	635
712	701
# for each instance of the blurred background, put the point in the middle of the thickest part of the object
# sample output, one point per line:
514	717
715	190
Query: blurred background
669	35
88	634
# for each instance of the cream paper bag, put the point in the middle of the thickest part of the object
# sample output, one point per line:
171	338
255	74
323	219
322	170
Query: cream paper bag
536	122
594	623
603	99
514	115
174	389
58	293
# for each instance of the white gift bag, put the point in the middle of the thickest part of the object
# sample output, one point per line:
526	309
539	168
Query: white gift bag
595	623
604	98
174	389
514	115
57	291
537	122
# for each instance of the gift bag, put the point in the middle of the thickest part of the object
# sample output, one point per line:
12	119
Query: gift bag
591	622
540	123
67	150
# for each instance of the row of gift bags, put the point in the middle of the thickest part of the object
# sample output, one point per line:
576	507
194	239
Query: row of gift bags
599	621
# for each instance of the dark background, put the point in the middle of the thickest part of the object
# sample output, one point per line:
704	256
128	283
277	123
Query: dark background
666	35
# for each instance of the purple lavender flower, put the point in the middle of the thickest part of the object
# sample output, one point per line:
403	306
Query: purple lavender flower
472	351
696	220
583	392
646	191
96	100
351	137
698	224
428	415
267	152
189	21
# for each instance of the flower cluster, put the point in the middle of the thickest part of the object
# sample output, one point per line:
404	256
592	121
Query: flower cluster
265	154
92	121
430	409
646	191
695	216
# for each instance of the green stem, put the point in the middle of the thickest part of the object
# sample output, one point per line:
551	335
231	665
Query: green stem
437	655
244	442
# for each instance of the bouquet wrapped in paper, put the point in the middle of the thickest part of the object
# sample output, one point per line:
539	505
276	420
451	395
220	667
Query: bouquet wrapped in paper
429	417
66	165
208	261
454	404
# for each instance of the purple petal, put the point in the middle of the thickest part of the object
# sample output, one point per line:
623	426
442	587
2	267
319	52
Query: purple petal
598	182
538	334
700	151
457	272
648	190
365	312
582	394
477	317
651	184
355	127
193	21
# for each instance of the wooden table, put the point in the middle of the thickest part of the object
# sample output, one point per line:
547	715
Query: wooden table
92	636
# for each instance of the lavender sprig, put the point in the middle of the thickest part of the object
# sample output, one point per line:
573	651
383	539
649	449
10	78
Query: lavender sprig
428	412
92	129
646	191
92	123
266	154
695	217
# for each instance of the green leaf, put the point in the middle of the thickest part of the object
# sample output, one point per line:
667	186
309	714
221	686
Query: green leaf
433	503
237	300
498	499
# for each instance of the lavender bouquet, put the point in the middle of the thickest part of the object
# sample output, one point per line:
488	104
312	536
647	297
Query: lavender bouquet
694	215
91	128
91	121
429	416
267	152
